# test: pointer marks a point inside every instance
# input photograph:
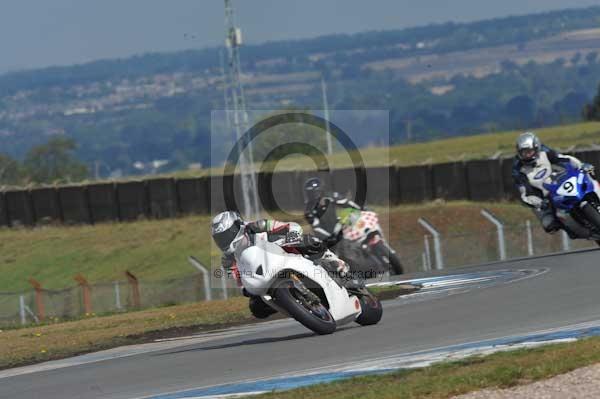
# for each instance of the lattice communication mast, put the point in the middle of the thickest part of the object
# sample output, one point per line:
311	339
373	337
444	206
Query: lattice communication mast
238	116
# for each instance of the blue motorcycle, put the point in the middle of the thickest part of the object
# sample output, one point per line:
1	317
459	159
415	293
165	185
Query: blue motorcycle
575	196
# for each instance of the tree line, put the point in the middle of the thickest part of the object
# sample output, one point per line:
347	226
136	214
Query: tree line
49	163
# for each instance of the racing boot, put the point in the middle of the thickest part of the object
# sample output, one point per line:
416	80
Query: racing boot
259	308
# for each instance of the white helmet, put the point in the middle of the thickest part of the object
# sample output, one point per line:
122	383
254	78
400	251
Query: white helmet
225	227
528	147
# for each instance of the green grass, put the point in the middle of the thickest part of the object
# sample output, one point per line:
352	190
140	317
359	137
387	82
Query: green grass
480	146
158	249
62	339
445	380
57	338
151	250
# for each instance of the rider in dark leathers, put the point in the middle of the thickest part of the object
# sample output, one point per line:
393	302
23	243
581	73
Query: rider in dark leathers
323	212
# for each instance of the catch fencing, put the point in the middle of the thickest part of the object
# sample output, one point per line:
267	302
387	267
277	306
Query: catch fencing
88	300
452	250
520	241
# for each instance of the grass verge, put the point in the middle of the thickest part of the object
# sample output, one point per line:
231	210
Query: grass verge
55	341
58	340
480	146
155	250
444	380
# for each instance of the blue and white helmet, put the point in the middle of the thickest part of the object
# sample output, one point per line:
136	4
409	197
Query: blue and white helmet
225	228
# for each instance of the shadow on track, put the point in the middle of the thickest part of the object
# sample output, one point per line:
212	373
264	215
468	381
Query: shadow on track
257	341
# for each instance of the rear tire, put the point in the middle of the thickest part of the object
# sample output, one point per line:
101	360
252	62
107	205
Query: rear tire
321	324
383	250
371	311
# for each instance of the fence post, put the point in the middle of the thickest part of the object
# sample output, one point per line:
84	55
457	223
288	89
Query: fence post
437	245
566	241
117	296
85	289
196	263
39	300
529	239
427	253
224	282
135	289
500	229
22	309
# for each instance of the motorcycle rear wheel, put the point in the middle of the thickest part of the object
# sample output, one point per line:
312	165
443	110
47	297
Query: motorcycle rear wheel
383	250
592	215
314	317
371	311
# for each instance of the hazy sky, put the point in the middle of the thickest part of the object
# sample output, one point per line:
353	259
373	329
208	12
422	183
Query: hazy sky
36	33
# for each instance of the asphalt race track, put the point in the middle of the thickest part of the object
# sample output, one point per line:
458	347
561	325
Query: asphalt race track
562	292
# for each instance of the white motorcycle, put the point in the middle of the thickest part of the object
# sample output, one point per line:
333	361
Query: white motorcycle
293	285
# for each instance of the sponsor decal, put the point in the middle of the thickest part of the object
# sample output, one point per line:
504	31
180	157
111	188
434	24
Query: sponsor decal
540	175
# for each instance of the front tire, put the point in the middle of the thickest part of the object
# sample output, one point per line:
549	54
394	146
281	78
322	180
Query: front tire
315	318
371	311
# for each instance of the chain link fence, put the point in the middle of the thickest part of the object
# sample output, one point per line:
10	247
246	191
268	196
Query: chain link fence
455	250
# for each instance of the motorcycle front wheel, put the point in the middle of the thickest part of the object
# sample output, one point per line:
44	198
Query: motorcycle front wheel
315	317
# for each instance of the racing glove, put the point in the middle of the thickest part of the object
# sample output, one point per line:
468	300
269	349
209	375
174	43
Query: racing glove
588	168
312	244
533	201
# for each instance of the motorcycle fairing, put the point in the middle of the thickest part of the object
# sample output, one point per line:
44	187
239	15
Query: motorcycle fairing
569	188
263	263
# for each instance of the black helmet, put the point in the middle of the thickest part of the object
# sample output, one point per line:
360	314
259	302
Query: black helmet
313	191
225	227
528	147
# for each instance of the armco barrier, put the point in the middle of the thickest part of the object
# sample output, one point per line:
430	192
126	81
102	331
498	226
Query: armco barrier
415	184
479	180
3	211
193	195
450	181
46	206
74	204
484	180
344	182
287	190
103	202
163	198
265	191
19	208
508	184
592	157
132	200
216	198
378	185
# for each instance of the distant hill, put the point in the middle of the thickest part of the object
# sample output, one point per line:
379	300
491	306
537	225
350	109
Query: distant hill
442	80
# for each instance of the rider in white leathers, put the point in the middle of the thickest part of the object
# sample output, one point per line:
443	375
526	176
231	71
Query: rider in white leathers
233	235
